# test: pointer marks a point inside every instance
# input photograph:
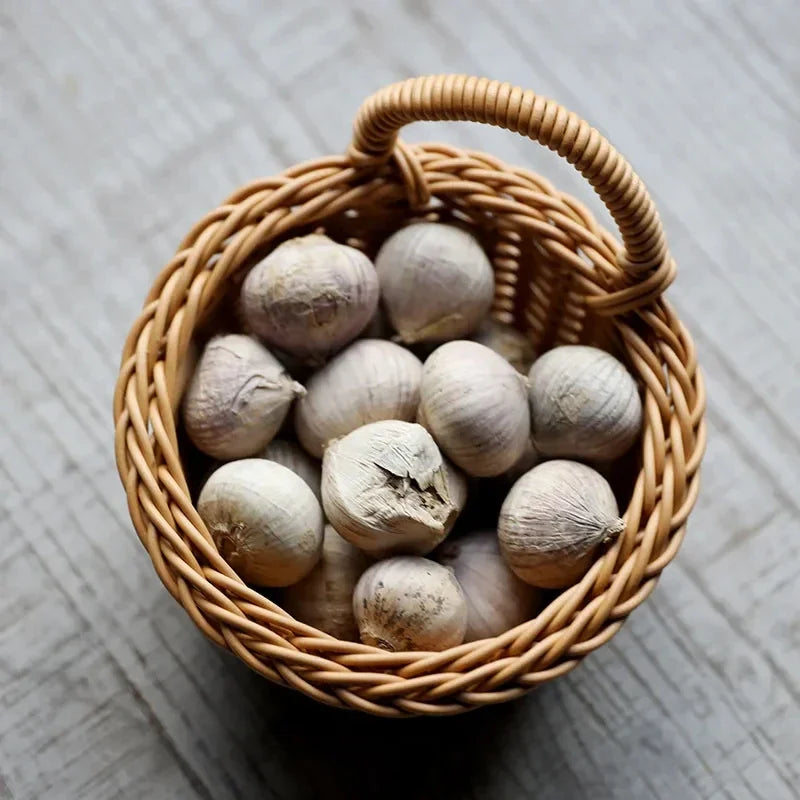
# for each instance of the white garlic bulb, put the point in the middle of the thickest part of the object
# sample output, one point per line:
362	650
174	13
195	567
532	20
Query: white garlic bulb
237	398
387	489
264	519
293	457
507	341
324	598
476	406
370	380
436	282
553	520
497	600
310	296
584	404
410	603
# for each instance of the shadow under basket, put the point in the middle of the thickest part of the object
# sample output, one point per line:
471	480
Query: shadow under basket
560	277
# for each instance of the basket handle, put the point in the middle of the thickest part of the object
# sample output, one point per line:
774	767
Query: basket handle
461	97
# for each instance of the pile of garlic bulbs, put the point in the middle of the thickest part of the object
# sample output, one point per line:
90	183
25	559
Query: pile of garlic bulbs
349	493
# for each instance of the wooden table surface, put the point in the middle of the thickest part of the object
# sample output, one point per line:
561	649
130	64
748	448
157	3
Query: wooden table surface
122	123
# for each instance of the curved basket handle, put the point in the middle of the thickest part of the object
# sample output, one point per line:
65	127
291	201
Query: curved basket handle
461	97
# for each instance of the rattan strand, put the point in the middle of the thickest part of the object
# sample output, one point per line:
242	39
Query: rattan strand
560	277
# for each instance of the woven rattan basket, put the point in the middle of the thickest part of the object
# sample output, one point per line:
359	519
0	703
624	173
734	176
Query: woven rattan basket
559	276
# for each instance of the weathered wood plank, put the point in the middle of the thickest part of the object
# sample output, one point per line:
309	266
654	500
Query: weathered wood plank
121	126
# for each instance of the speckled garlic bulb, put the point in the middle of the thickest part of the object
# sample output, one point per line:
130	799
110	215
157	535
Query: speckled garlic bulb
410	603
370	380
310	296
324	598
387	489
553	520
436	282
584	404
293	457
264	519
476	406
237	398
507	341
497	599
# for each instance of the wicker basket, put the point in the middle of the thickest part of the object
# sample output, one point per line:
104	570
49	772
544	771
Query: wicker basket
559	276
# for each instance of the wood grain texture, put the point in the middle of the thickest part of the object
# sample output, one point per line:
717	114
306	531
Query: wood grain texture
121	124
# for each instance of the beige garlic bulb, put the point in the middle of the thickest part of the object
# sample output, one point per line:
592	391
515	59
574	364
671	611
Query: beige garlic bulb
293	457
264	519
584	404
370	380
237	398
387	489
410	603
497	600
310	296
436	282
324	598
507	341
554	519
476	406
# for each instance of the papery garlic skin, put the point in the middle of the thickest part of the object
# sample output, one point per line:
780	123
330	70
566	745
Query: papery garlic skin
370	380
324	598
476	406
387	489
512	344
310	296
293	457
264	519
410	603
497	600
554	519
436	282
238	397
584	404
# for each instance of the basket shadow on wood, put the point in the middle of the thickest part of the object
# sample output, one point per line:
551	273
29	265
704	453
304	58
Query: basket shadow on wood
559	276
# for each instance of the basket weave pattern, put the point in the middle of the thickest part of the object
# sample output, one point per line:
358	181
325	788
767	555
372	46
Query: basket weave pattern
559	276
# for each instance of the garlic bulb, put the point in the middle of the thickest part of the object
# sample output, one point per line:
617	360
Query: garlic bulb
264	519
387	489
507	341
324	598
436	282
238	397
476	406
584	404
553	520
497	599
368	381
310	296
410	603
293	457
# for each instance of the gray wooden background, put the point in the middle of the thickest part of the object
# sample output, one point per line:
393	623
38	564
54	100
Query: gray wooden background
121	124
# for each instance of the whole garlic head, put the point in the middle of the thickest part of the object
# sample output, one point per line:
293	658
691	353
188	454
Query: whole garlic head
237	398
497	600
507	341
554	519
584	404
436	282
324	598
476	406
368	381
387	489
310	296
264	519
293	457
410	603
